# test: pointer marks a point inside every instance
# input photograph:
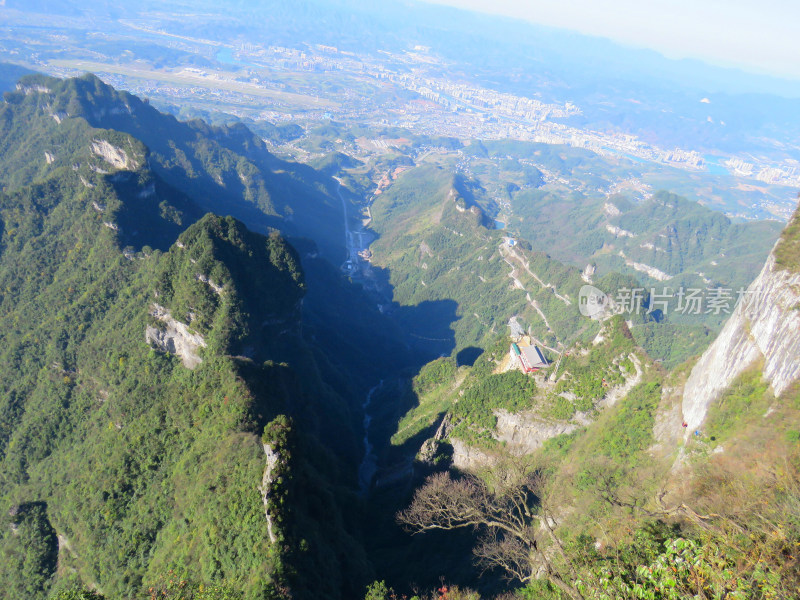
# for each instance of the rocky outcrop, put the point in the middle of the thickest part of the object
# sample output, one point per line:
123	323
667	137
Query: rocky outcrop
430	447
176	339
469	458
520	433
619	232
218	289
631	381
656	274
266	487
765	325
116	157
588	273
33	89
611	210
524	433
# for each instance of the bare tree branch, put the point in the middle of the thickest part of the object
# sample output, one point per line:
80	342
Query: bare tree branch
509	515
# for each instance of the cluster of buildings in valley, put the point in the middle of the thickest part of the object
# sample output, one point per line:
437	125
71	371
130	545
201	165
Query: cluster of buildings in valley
429	102
458	96
484	113
789	174
319	58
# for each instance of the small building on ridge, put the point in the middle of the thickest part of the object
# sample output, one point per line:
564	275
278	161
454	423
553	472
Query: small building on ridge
530	358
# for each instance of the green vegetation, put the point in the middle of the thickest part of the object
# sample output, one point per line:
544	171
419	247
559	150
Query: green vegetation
473	411
589	372
672	343
435	373
120	463
675	235
436	245
28	551
557	447
733	556
120	440
606	455
334	163
127	470
78	594
743	402
144	464
630	431
469	394
170	587
247	309
224	169
433	392
787	252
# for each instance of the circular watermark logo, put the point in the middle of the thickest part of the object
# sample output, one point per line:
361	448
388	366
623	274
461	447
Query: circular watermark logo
592	302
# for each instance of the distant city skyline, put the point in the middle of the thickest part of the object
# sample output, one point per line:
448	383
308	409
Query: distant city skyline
760	37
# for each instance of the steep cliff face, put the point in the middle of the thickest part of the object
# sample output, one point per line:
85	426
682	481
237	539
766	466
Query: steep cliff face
525	432
764	325
520	434
176	338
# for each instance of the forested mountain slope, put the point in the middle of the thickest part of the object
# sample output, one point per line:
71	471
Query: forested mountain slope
678	484
656	484
226	170
665	237
183	398
143	461
145	350
438	245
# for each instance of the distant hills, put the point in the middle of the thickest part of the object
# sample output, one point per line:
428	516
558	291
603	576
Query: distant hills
677	238
438	245
665	243
189	383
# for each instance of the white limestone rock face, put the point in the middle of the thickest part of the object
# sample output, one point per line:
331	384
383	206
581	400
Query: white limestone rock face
619	232
32	89
588	273
218	289
764	325
656	274
524	433
619	392
116	157
467	458
611	210
266	487
176	339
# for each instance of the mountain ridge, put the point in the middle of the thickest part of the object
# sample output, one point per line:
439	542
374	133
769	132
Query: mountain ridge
184	395
224	169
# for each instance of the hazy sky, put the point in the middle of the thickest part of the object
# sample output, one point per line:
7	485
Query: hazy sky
756	35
